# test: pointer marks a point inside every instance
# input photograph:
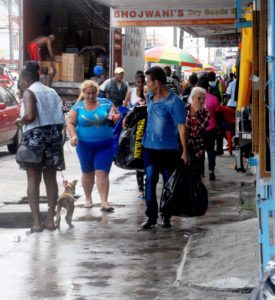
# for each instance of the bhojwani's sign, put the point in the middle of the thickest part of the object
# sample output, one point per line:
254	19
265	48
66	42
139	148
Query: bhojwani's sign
171	16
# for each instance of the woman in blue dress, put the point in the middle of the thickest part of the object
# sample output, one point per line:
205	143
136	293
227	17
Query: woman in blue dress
88	126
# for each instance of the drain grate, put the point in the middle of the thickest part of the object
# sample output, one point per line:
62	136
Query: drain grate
18	219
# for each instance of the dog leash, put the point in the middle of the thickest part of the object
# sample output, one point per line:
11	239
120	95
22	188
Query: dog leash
62	175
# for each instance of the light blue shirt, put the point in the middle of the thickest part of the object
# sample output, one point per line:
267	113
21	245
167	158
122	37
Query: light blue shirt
164	116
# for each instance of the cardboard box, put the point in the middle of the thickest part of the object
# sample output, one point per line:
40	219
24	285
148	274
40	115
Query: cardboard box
72	67
58	67
58	58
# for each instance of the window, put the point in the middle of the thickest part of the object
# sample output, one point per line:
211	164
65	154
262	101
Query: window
7	98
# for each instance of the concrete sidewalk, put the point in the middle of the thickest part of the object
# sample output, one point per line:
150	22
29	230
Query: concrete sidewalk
211	257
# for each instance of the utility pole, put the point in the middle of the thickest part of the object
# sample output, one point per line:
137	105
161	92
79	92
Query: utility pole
10	31
198	48
181	38
175	36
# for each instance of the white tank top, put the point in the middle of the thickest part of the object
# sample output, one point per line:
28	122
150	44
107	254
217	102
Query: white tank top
49	107
134	98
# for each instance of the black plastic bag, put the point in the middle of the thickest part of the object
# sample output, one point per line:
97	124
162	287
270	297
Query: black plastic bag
184	194
135	115
129	152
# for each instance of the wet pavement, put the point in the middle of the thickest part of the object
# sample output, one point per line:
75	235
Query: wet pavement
105	255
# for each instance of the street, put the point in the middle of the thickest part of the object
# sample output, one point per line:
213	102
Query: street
105	255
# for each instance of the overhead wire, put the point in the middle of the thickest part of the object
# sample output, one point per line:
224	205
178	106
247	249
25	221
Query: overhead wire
82	6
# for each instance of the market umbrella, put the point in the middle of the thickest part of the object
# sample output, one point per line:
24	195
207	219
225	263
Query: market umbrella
204	68
171	56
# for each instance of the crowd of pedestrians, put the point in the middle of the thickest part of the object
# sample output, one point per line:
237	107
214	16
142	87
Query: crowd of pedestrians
181	125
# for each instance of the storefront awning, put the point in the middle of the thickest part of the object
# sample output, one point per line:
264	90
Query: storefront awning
199	18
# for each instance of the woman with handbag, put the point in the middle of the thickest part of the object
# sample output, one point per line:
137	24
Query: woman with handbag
41	149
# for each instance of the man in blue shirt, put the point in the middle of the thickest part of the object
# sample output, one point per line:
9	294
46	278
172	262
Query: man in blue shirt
165	123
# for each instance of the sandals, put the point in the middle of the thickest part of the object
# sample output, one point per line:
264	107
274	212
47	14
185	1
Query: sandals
107	209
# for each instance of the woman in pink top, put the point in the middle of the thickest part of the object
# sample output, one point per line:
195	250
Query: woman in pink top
213	107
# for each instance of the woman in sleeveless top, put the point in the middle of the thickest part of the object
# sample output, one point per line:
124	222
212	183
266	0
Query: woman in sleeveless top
42	123
135	94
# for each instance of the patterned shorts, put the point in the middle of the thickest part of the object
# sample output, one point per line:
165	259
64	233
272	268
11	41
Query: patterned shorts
50	138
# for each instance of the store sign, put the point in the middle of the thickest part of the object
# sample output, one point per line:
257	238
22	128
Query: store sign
223	40
127	17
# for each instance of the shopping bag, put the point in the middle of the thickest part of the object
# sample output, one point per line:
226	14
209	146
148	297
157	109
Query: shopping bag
129	152
184	194
135	115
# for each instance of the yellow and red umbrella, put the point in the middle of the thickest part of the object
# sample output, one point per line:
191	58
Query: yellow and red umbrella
171	56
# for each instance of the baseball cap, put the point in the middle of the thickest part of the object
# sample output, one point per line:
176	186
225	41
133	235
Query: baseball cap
118	70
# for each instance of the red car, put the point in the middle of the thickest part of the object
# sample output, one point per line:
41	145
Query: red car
10	135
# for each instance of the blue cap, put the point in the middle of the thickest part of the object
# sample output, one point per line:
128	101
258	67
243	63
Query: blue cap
98	70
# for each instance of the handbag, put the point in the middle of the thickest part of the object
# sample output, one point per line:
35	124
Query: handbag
27	157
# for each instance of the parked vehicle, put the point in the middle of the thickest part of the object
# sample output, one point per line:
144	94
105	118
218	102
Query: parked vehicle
10	134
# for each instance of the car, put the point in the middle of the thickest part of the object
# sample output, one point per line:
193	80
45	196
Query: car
10	133
14	78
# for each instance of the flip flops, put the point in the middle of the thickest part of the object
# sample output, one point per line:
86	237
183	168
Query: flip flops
107	209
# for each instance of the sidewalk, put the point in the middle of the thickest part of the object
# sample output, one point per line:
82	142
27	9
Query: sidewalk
104	255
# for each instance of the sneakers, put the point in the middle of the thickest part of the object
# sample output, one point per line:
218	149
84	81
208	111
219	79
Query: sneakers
165	223
148	224
212	176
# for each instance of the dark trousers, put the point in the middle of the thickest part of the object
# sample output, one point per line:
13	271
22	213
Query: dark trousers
140	180
210	137
196	162
156	162
219	139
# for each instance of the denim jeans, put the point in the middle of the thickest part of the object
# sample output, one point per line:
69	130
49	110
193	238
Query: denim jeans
156	162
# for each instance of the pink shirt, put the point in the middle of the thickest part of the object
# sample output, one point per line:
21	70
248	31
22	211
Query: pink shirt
212	106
